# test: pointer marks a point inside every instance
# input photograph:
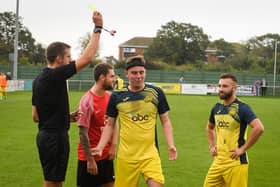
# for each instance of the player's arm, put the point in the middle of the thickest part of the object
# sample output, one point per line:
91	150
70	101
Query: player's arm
112	152
168	134
105	137
35	116
257	130
90	50
210	130
84	139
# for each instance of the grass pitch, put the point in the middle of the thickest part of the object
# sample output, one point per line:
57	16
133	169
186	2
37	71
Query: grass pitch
20	167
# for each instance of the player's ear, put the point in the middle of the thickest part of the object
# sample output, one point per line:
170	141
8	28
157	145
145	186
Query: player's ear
102	77
58	59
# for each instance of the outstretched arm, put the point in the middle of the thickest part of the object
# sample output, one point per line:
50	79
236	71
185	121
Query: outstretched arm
168	134
90	50
105	137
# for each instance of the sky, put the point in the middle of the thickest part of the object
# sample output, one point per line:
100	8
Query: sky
67	21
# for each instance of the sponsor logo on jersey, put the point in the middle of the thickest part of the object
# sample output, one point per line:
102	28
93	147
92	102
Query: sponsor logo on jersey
139	117
222	124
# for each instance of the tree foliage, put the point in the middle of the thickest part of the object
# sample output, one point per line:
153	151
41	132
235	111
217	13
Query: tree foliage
178	43
27	49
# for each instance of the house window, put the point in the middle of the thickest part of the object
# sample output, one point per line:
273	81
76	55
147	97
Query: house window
129	50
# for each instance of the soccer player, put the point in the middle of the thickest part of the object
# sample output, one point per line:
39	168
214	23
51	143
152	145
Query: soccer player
50	105
99	171
3	86
137	107
119	82
228	122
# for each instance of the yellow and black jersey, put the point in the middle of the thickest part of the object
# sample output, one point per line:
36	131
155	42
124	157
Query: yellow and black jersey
231	130
137	113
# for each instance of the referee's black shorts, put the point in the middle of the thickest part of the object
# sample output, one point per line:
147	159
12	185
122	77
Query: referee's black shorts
53	150
105	174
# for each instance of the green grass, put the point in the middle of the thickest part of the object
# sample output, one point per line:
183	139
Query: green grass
20	167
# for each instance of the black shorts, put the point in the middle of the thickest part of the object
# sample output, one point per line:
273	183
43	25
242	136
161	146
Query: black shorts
105	174
53	150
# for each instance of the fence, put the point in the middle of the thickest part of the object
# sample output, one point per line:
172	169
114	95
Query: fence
84	79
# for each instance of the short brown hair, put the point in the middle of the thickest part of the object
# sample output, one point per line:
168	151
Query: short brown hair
229	76
101	69
56	49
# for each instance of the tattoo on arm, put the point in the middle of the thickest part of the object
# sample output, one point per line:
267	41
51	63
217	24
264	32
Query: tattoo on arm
83	133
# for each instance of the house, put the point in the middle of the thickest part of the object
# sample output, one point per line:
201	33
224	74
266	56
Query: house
109	60
134	46
214	55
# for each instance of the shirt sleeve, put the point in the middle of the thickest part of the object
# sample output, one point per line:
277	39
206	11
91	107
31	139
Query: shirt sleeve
249	115
212	114
64	72
163	104
111	107
86	109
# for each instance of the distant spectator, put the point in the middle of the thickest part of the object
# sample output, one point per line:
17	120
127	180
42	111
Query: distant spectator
3	86
263	87
257	86
182	79
118	84
8	76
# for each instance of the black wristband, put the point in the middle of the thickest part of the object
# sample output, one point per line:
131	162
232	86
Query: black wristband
97	29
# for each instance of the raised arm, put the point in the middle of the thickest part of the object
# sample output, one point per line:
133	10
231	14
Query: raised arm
90	50
168	134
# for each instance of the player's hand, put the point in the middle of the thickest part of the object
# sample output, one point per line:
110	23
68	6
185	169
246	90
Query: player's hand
213	151
172	153
97	19
92	167
237	152
74	116
112	152
96	152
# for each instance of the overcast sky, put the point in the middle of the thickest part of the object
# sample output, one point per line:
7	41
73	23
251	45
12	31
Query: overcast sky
67	21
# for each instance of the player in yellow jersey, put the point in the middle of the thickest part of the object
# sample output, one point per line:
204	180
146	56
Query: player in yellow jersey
119	82
228	122
137	107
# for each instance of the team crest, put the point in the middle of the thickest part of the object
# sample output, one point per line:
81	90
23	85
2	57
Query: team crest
233	112
148	99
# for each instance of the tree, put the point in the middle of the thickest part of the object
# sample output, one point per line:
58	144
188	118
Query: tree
226	47
263	45
178	43
83	41
26	43
263	49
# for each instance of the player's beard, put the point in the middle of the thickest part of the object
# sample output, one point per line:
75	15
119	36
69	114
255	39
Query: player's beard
225	96
107	86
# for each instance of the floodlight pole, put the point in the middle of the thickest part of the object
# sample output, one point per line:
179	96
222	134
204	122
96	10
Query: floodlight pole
16	45
274	74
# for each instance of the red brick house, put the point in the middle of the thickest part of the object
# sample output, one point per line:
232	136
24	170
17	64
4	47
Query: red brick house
214	55
134	46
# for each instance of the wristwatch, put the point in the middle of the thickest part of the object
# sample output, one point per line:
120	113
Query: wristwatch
97	29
